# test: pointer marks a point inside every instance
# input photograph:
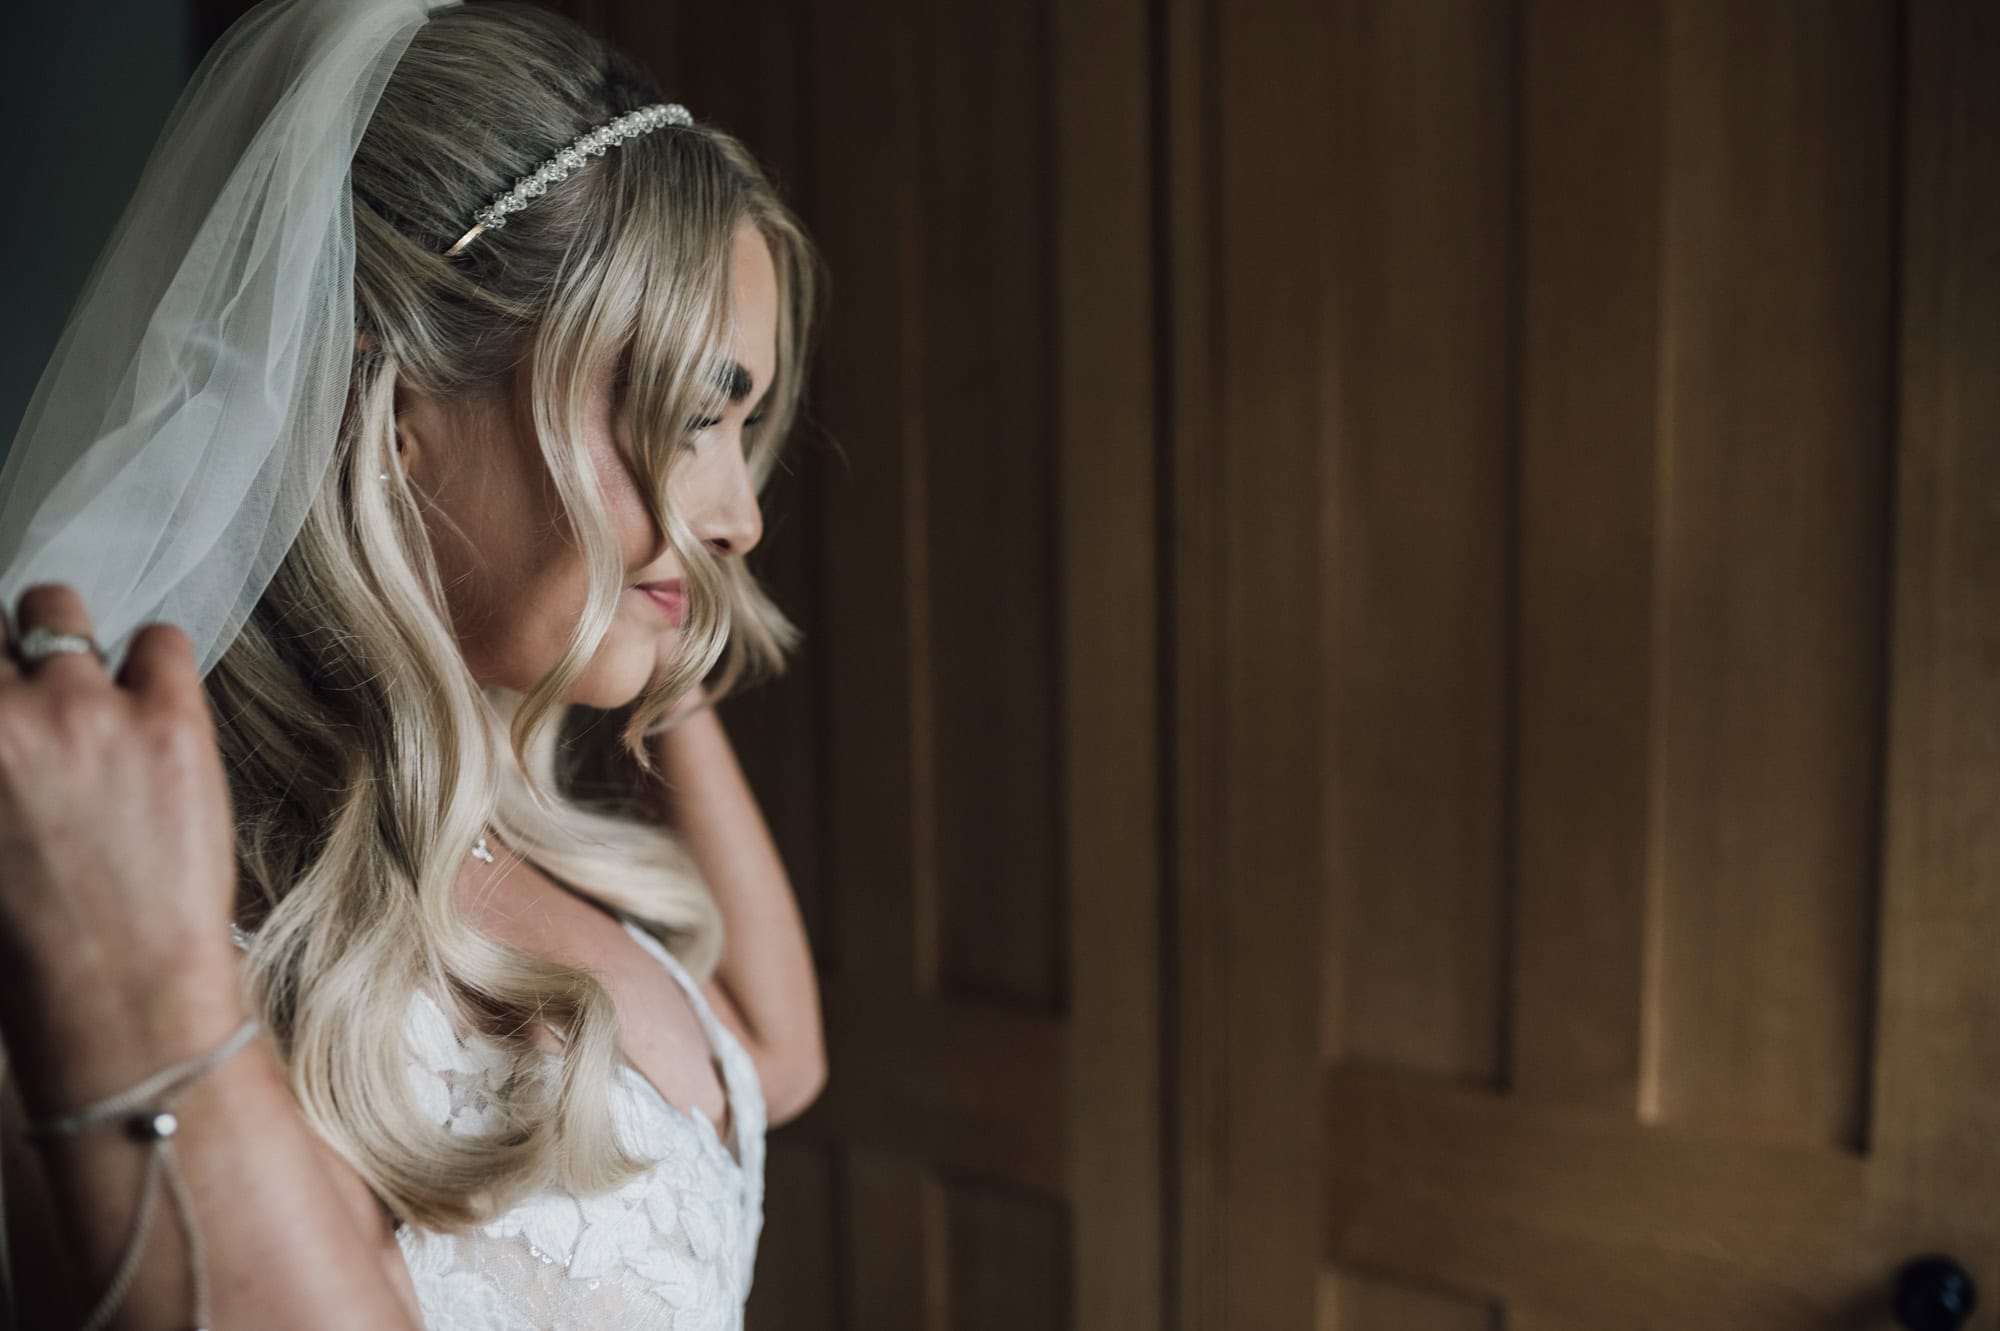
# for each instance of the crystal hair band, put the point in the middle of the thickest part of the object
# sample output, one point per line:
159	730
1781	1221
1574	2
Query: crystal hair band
612	132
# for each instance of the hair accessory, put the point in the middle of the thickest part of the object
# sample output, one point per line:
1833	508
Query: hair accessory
533	185
143	1115
39	643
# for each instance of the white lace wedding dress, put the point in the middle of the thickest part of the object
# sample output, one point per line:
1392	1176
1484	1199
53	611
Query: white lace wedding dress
670	1250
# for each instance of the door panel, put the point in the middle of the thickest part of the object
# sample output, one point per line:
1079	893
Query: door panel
1637	428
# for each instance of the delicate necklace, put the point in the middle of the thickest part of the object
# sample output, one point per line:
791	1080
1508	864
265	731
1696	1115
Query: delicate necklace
479	849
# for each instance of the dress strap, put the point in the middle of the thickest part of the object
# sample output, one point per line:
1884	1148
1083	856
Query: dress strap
679	972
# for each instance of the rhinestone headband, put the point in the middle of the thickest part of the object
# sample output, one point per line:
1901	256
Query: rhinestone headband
532	186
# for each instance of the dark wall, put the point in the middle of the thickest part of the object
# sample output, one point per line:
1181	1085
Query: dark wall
90	86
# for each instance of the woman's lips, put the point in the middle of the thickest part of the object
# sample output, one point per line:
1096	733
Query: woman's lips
671	597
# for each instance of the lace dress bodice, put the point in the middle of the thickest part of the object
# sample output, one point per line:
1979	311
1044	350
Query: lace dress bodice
669	1250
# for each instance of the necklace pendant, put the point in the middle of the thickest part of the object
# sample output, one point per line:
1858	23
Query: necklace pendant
480	851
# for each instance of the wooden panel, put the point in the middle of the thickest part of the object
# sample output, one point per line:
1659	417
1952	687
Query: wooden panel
970	1088
1612	1224
984	307
1266	862
876	577
801	1271
1590	241
1349	1302
1107	478
894	1246
1936	1092
1196	910
1774	403
1521	1318
1418	515
1008	1264
769	108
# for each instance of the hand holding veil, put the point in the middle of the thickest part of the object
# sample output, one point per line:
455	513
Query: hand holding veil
188	414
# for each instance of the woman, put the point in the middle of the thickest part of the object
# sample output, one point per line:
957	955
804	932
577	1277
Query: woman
519	1050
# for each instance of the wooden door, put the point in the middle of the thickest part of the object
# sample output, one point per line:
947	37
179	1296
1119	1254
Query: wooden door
1590	445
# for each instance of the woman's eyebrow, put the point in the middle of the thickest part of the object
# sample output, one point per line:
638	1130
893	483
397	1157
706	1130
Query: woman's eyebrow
734	380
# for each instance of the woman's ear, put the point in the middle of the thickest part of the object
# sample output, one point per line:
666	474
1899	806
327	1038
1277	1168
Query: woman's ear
413	412
409	442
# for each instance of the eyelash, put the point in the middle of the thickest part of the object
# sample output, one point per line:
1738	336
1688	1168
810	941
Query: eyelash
717	420
687	442
620	377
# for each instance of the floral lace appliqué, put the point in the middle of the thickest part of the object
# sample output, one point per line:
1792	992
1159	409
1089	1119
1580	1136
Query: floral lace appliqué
671	1249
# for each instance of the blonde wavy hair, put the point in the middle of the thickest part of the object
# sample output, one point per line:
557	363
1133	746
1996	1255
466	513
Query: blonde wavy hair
364	759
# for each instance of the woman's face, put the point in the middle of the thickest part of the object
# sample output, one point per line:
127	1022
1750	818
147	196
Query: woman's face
514	581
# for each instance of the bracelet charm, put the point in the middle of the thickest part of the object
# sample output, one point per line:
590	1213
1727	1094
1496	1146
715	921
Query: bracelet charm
152	1126
142	1113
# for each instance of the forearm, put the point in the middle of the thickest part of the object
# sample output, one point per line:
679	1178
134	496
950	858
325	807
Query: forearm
766	972
280	1248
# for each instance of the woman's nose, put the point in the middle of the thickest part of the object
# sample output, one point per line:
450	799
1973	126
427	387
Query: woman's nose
731	523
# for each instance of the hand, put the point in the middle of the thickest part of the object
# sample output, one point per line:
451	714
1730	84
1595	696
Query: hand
115	831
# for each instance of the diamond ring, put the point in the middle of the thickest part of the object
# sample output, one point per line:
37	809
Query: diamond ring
39	643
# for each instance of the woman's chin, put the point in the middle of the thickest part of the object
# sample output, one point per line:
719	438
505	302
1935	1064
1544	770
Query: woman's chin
625	663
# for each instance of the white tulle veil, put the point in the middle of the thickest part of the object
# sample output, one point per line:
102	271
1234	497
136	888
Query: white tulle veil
188	414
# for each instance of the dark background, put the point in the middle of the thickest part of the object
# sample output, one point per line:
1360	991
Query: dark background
87	88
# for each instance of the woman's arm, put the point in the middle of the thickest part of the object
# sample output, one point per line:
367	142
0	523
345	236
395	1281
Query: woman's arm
115	963
292	1237
764	988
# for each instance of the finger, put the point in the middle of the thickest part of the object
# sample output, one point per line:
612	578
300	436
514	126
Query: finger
160	667
58	608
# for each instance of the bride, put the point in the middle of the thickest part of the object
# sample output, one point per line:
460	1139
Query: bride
413	421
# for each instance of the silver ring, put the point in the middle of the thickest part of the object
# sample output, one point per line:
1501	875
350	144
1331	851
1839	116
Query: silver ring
38	643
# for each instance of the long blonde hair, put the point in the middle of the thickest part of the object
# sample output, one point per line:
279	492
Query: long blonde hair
364	758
